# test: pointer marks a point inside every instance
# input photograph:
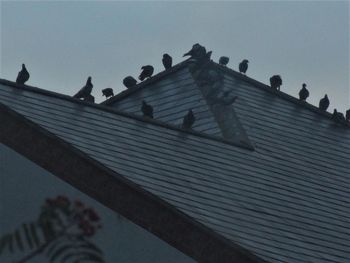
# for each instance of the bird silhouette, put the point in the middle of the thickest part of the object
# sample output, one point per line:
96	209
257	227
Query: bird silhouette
23	75
338	116
243	66
108	92
129	82
85	91
188	120
347	117
324	103
208	55
197	52
276	82
303	93
147	110
89	98
224	60
167	61
147	72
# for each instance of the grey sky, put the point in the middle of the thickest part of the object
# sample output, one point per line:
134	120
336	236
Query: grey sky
64	42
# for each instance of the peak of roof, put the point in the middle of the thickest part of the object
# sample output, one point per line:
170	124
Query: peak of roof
224	69
145	83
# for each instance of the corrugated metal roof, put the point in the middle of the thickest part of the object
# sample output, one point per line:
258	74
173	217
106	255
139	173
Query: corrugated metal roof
287	201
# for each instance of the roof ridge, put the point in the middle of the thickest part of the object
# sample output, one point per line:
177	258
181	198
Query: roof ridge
228	70
278	93
121	113
143	84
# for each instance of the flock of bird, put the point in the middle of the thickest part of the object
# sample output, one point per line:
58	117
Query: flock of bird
197	52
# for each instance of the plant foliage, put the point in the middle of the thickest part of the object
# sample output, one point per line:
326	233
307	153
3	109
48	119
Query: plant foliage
62	233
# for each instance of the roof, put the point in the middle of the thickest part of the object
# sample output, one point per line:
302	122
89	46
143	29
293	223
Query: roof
286	201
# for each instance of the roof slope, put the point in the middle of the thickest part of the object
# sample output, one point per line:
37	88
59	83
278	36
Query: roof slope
287	201
174	91
171	99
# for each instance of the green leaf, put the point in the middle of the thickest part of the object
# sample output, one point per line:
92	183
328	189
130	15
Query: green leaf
82	256
47	230
27	235
60	251
19	240
54	245
88	245
34	234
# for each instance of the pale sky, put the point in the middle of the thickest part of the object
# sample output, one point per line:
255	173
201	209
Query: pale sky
64	42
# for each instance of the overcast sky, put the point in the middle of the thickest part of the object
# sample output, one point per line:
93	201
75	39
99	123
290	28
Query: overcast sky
62	43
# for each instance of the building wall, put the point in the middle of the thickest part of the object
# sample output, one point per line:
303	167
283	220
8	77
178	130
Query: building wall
24	186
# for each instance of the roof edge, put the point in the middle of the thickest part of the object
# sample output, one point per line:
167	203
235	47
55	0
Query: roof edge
143	84
138	205
124	114
278	93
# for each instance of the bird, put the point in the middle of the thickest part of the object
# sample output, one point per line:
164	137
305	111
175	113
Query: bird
243	66
276	82
85	91
167	61
347	116
208	55
108	92
23	75
224	60
188	120
304	93
338	116
197	52
89	98
147	110
129	82
324	103
147	72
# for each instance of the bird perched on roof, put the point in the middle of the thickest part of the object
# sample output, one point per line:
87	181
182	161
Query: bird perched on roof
303	93
243	66
147	72
338	116
208	55
89	98
129	82
188	120
85	91
224	60
23	75
147	110
324	103
108	92
197	52
347	116
276	82
167	61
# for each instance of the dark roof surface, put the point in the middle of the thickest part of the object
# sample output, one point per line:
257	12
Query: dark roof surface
174	92
287	201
